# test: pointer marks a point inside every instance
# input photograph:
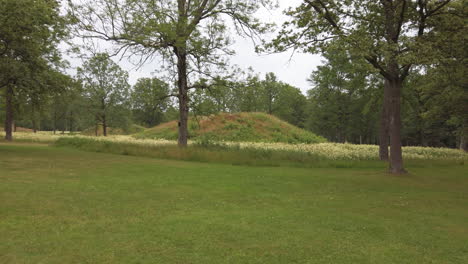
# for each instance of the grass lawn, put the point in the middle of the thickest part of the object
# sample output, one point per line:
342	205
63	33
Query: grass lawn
61	205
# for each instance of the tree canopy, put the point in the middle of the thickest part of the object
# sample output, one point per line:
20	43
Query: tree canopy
391	35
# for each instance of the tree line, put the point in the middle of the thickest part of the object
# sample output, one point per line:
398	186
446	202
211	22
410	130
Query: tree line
393	72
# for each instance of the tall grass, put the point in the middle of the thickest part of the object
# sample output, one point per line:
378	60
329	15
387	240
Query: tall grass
236	154
248	153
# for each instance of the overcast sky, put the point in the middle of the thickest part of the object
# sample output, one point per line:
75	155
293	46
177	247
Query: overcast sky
293	70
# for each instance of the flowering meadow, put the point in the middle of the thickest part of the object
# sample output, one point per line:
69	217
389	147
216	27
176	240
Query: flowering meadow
332	151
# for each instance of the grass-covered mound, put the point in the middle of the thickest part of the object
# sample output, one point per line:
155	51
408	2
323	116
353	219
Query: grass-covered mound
251	127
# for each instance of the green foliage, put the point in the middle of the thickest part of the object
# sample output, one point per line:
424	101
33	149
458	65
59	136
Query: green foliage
106	89
29	34
150	101
343	101
29	59
254	127
251	94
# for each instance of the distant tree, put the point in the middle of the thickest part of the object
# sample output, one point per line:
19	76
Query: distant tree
343	91
218	97
149	101
290	105
271	90
251	95
105	85
63	103
283	100
446	86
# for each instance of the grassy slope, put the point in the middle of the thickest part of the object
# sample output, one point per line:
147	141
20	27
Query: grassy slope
256	127
66	206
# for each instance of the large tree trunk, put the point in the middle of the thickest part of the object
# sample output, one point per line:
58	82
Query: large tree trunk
9	113
34	121
396	158
394	76
183	96
384	124
103	117
463	137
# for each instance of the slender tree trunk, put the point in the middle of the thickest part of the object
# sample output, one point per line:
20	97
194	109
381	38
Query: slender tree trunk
9	113
14	126
104	125
55	121
96	130
270	103
396	157
183	97
384	136
103	117
34	124
71	121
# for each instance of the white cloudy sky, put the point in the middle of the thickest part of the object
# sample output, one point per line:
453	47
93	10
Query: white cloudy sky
291	69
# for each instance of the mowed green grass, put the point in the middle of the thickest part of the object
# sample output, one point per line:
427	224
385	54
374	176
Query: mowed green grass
61	205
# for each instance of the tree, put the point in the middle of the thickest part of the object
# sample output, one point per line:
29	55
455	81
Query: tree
29	33
63	102
343	91
106	87
191	35
283	100
388	34
150	101
446	75
271	90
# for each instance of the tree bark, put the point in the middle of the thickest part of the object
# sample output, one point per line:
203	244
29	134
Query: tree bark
183	96
396	157
384	123
96	129
103	117
71	121
104	125
9	113
394	76
34	124
55	121
463	141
